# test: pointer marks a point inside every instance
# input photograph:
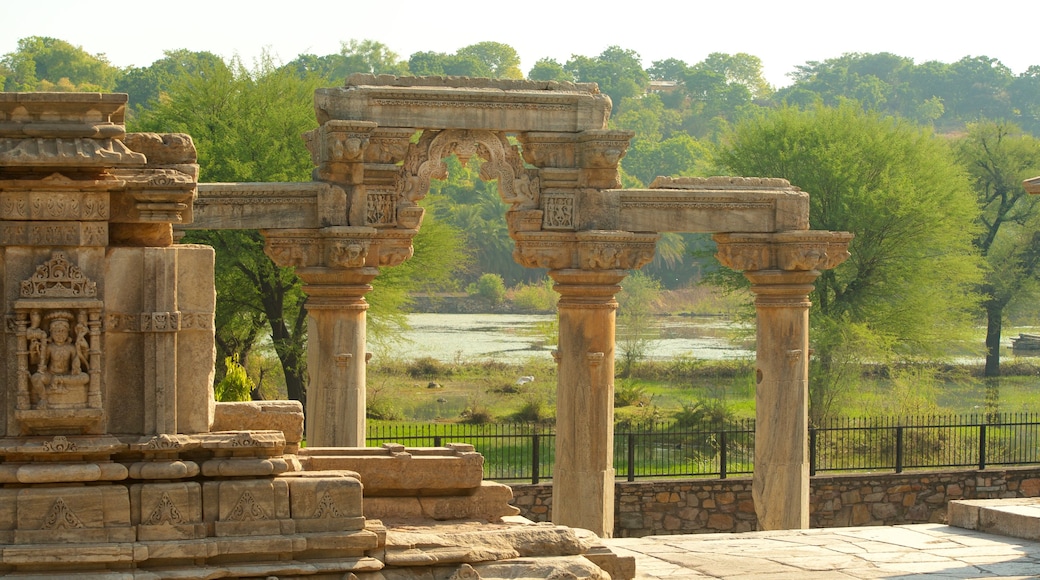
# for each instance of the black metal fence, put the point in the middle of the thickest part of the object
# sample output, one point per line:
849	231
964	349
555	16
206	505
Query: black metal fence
525	452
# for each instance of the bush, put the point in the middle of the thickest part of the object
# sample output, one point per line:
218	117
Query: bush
535	297
236	384
489	287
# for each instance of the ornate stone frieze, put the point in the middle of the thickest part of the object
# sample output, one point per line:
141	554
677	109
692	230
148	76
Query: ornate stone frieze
555	150
53	233
331	247
55	198
154	196
603	149
551	250
615	250
58	278
382	209
395	246
786	251
388	145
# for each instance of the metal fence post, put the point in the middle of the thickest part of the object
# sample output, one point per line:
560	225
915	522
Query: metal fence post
982	446
899	449
722	455
437	441
812	451
631	456
535	457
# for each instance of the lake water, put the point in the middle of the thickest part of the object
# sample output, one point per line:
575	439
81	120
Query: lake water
516	337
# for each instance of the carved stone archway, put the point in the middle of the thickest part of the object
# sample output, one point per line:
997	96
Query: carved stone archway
567	215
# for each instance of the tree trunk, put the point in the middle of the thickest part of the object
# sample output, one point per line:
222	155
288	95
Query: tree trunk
994	318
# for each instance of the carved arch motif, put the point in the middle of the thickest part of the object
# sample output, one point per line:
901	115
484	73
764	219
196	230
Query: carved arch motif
517	185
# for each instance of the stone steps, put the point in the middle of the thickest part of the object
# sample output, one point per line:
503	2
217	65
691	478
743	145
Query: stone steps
1015	517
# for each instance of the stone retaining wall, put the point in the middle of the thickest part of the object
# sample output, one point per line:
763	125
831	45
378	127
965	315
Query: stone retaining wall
725	505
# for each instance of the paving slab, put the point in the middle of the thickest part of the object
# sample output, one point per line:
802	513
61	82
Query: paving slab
891	552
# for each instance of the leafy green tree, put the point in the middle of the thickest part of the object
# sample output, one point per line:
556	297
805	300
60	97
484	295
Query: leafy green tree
42	63
474	208
501	60
246	125
354	56
679	155
547	69
907	289
997	157
146	84
619	73
636	324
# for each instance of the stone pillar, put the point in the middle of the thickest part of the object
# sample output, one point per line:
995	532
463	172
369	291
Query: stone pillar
583	476
336	357
333	263
781	478
782	268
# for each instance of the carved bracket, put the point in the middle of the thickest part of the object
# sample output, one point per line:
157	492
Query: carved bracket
786	251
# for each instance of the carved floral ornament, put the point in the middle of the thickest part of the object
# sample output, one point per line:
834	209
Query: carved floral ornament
425	161
785	251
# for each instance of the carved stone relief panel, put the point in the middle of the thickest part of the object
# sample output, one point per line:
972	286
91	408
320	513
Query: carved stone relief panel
558	211
57	321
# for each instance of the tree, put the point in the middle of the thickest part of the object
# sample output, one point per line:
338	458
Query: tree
247	124
907	290
636	325
354	56
619	72
547	69
146	84
997	157
42	63
501	60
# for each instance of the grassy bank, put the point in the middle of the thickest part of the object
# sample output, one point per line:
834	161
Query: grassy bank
684	389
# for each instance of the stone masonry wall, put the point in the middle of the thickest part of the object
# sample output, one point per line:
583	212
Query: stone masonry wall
725	505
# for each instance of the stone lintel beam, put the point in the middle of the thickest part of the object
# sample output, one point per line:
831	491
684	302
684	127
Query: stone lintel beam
1032	185
714	204
782	268
245	206
463	103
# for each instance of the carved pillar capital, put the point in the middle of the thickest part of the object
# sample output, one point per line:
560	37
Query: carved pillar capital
599	153
338	149
786	251
593	250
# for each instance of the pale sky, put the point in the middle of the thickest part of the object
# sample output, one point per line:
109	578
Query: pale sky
782	34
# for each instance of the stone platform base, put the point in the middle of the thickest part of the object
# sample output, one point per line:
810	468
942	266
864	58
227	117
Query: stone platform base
1015	517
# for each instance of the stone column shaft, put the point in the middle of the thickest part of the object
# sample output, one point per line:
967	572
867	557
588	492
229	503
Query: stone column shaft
583	476
336	353
781	478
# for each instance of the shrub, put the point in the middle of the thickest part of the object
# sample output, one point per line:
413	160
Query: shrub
535	297
490	287
236	384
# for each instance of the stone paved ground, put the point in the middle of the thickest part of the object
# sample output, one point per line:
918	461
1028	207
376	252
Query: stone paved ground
893	552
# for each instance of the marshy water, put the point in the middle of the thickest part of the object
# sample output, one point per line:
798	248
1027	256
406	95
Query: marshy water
517	337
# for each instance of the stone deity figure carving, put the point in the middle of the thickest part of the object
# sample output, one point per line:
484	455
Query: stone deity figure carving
60	360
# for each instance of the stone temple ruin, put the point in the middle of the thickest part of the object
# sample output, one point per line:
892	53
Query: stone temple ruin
117	462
